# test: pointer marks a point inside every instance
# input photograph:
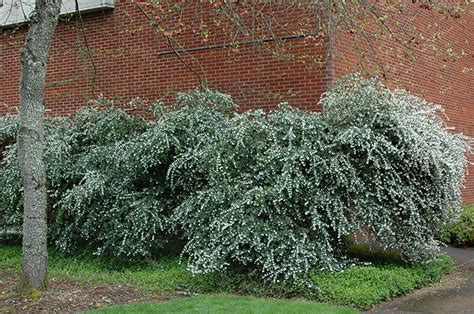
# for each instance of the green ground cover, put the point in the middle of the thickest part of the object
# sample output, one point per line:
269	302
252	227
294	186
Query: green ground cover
360	286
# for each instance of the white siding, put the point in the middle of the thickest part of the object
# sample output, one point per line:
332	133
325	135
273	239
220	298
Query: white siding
17	11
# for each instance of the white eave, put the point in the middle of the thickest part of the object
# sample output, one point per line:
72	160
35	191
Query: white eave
14	12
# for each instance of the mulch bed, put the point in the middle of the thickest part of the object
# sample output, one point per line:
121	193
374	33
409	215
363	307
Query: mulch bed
67	296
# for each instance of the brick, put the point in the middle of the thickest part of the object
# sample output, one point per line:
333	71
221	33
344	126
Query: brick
126	53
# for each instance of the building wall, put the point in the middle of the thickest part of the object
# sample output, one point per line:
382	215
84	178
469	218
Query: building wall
443	69
125	57
131	59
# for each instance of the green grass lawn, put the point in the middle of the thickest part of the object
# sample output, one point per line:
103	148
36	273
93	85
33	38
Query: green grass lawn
359	286
228	304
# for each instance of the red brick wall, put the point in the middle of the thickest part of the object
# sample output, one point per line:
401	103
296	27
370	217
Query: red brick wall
443	71
131	61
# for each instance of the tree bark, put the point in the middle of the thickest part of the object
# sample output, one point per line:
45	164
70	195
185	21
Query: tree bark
34	60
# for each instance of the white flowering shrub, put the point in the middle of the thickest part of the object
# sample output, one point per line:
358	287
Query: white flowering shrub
263	205
10	180
8	128
284	189
107	174
401	169
277	193
98	196
92	202
117	197
11	198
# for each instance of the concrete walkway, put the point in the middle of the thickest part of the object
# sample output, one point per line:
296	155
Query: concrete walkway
454	294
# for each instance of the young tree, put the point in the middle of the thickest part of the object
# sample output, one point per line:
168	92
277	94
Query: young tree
34	60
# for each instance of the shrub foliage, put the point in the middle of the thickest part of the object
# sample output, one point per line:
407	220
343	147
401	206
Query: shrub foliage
460	231
276	192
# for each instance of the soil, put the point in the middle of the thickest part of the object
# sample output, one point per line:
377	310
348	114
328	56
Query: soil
67	296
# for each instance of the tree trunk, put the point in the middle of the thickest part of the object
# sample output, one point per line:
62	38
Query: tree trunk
34	60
